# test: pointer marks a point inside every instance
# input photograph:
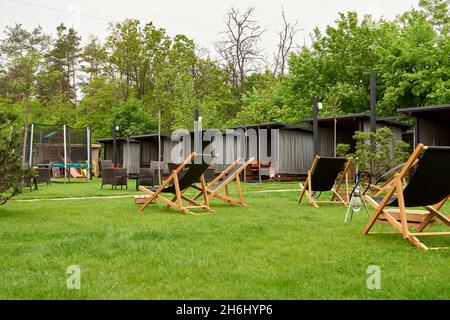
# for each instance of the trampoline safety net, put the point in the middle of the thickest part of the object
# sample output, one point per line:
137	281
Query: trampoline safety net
50	144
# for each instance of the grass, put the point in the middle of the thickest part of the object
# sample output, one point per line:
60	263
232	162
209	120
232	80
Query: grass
273	250
83	188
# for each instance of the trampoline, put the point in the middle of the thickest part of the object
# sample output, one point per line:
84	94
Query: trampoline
60	147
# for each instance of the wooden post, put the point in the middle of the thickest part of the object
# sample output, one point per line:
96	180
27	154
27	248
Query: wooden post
159	147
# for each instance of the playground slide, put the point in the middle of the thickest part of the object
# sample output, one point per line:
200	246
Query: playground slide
74	173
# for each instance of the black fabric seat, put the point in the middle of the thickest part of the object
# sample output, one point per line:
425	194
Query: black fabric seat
196	169
428	187
424	187
322	177
176	185
325	173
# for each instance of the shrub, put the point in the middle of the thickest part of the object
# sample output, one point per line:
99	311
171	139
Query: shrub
342	150
375	153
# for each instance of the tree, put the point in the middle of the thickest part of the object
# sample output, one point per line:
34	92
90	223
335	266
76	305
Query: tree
132	119
285	44
438	13
137	55
337	65
415	64
333	106
240	47
375	153
99	99
11	170
215	99
63	60
94	58
24	51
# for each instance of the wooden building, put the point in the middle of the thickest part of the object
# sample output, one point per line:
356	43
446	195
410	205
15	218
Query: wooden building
432	124
284	150
347	126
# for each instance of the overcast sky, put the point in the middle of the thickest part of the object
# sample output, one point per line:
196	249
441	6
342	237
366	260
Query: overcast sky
201	20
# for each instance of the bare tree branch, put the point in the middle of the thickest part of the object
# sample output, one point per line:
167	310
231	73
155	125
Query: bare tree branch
240	47
285	44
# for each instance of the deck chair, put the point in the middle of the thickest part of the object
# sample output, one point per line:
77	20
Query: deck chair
384	183
221	182
177	186
322	177
429	187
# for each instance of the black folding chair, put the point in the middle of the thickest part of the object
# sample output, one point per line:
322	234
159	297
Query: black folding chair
178	183
322	177
429	187
221	182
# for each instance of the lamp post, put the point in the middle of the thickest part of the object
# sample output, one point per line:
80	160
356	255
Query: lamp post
115	128
373	101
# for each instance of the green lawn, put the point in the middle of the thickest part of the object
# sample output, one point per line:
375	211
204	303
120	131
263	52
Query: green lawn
273	250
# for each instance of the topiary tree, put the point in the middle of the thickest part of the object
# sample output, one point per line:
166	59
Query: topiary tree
12	171
375	153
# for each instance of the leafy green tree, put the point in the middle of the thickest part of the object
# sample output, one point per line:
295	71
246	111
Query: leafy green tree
24	51
414	65
132	119
95	59
137	53
12	171
216	100
337	64
63	64
96	108
438	13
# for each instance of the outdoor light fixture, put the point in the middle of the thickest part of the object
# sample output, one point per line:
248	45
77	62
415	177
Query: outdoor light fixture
117	128
320	105
356	196
356	201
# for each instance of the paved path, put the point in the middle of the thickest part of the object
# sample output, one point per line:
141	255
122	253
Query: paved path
130	196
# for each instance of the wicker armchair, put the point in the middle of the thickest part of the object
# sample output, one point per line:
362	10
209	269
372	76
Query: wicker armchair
44	175
146	177
105	164
115	177
28	182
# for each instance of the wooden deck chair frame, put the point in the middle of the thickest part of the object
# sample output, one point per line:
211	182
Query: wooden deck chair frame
177	201
395	187
336	197
224	181
386	185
